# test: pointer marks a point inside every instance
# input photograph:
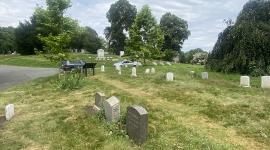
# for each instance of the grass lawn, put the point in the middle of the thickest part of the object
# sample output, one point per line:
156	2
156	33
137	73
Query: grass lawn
185	114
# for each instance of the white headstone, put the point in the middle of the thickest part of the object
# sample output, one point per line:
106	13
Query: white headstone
100	54
118	67
134	72
154	63
102	68
122	53
168	63
265	82
192	74
112	109
83	51
120	72
153	70
9	111
147	71
245	81
169	76
205	75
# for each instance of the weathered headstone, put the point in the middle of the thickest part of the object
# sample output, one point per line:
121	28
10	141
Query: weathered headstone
137	124
134	72
265	82
153	70
99	99
119	72
169	76
100	54
102	68
122	53
168	63
192	74
205	75
118	67
112	109
147	71
245	81
9	111
154	63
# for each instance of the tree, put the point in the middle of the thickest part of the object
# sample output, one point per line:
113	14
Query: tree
145	37
121	16
199	58
244	46
190	54
7	40
175	32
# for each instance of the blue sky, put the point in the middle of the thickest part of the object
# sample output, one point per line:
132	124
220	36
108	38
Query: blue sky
205	17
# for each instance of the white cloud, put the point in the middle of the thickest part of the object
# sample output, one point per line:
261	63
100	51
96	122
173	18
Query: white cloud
205	17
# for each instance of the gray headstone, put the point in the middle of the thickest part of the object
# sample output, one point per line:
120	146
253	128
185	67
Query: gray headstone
134	72
147	71
169	76
9	111
102	68
112	109
137	124
192	74
205	75
153	70
245	81
265	82
99	99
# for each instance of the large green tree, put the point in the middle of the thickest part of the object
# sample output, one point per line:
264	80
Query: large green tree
175	30
244	46
121	16
7	40
145	36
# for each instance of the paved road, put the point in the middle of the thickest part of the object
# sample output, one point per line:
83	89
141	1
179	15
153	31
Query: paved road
12	75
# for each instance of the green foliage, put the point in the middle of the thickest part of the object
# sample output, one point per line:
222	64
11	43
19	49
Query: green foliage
121	16
244	47
190	54
169	55
200	58
175	31
145	37
70	81
7	40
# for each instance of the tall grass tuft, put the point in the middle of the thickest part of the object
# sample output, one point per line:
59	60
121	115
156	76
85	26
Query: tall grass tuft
70	81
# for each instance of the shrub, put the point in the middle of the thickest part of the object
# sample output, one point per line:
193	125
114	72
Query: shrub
70	81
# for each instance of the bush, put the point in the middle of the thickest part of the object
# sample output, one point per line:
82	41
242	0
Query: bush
70	81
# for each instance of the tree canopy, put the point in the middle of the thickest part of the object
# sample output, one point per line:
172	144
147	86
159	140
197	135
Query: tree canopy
121	16
244	46
7	40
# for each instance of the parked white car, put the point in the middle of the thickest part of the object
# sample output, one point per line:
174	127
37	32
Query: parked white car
127	63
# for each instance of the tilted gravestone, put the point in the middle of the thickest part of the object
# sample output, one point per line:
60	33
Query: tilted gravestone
134	72
99	99
137	124
9	111
153	70
169	76
112	109
147	71
265	82
244	81
205	75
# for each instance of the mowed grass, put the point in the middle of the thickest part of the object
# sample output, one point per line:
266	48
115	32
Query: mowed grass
189	113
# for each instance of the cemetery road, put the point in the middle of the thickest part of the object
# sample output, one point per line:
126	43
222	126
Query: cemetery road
12	75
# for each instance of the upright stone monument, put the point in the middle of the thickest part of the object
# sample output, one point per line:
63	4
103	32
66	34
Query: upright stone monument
168	63
102	68
134	72
154	63
245	81
122	53
192	74
120	72
100	54
169	76
205	75
99	99
265	82
112	109
137	124
147	71
9	111
153	70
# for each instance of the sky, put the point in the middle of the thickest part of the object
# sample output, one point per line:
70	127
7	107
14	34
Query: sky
205	17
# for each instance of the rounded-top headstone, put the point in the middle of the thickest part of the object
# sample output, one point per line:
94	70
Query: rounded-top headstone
137	124
153	70
99	99
245	81
169	76
102	68
9	111
147	71
112	109
265	82
205	75
134	72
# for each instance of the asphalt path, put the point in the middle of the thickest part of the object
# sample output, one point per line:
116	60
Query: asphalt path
12	75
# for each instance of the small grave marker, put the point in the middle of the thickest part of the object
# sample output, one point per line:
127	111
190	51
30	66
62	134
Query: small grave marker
265	82
245	81
102	68
9	111
205	75
134	72
153	70
169	76
99	99
147	71
112	109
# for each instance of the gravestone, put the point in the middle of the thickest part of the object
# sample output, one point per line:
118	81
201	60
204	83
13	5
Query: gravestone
168	63
205	75
265	82
100	54
153	70
169	76
147	71
134	72
245	81
137	124
118	67
122	53
161	63
99	99
192	74
112	109
102	68
154	63
9	111
120	72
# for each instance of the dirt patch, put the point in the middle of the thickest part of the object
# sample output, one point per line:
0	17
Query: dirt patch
2	121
